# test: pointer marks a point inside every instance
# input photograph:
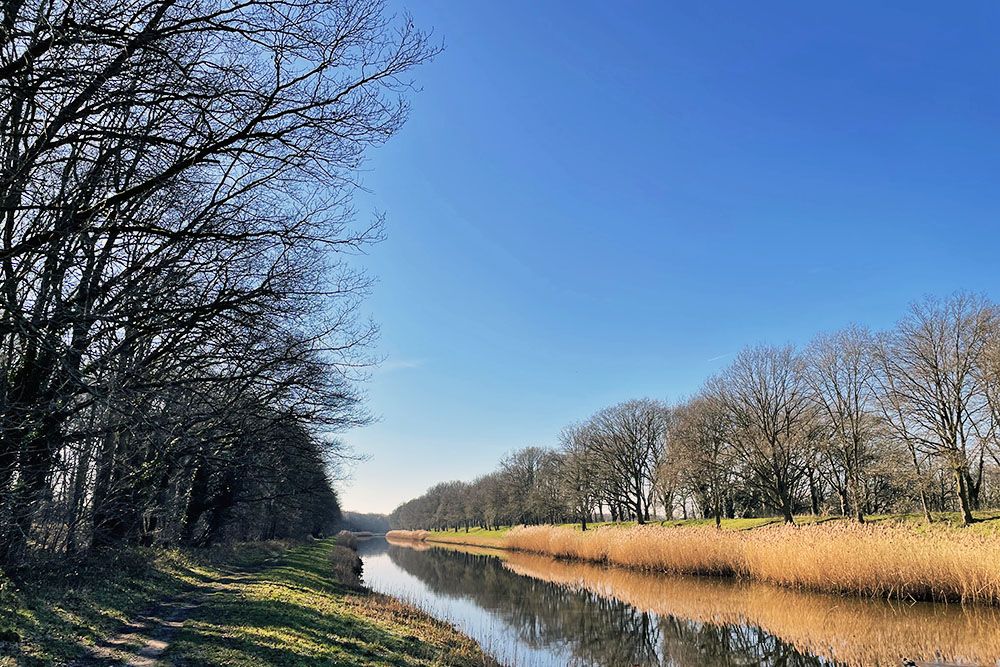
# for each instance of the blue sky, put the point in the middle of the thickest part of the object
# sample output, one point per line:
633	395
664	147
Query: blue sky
593	202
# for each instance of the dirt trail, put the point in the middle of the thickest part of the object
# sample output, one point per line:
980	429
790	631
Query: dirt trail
144	641
146	638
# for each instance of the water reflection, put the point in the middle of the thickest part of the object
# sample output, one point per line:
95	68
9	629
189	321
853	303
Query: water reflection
529	621
534	610
849	631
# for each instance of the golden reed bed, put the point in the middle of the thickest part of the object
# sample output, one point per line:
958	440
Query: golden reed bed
896	562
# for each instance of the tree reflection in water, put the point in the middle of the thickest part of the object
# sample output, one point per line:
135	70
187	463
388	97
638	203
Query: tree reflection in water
842	630
595	628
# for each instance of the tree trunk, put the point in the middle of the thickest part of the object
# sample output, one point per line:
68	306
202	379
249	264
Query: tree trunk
639	514
859	514
813	495
963	497
77	500
35	464
920	482
786	513
785	499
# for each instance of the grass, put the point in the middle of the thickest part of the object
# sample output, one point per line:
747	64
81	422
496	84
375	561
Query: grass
266	604
890	557
493	536
298	614
57	608
475	537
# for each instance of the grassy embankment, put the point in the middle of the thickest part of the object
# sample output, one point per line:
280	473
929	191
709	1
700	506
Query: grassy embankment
890	557
258	605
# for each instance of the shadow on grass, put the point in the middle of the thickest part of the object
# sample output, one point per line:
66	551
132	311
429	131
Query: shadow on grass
297	614
273	632
57	608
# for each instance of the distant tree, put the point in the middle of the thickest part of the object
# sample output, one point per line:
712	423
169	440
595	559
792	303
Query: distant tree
880	419
364	522
989	377
579	480
519	472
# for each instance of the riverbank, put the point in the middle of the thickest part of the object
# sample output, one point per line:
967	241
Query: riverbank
265	604
894	558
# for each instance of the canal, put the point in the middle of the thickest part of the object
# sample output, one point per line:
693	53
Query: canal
533	611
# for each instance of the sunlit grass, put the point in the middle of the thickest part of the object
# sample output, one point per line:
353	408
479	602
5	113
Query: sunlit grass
304	609
302	613
58	608
474	537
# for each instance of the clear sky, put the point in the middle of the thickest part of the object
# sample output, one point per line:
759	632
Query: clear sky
597	201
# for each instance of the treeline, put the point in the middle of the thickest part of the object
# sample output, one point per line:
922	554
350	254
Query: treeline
855	423
178	323
358	522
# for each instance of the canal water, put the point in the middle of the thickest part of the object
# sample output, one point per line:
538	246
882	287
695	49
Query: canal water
535	611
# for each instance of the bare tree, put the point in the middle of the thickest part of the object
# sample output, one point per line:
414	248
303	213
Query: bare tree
174	199
841	372
766	401
579	477
989	373
628	440
699	443
880	419
520	472
934	395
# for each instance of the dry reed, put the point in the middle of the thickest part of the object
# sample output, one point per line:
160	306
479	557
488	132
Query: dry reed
877	561
898	561
411	535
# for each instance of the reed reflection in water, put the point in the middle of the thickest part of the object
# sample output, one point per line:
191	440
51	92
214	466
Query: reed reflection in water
847	631
551	612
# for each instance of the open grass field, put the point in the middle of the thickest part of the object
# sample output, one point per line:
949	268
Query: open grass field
254	605
897	557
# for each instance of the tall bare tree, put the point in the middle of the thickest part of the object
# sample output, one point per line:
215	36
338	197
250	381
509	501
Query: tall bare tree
841	371
699	444
934	394
766	400
579	474
175	196
628	440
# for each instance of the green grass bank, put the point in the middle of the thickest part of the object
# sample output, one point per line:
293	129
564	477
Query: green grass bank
987	523
266	604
